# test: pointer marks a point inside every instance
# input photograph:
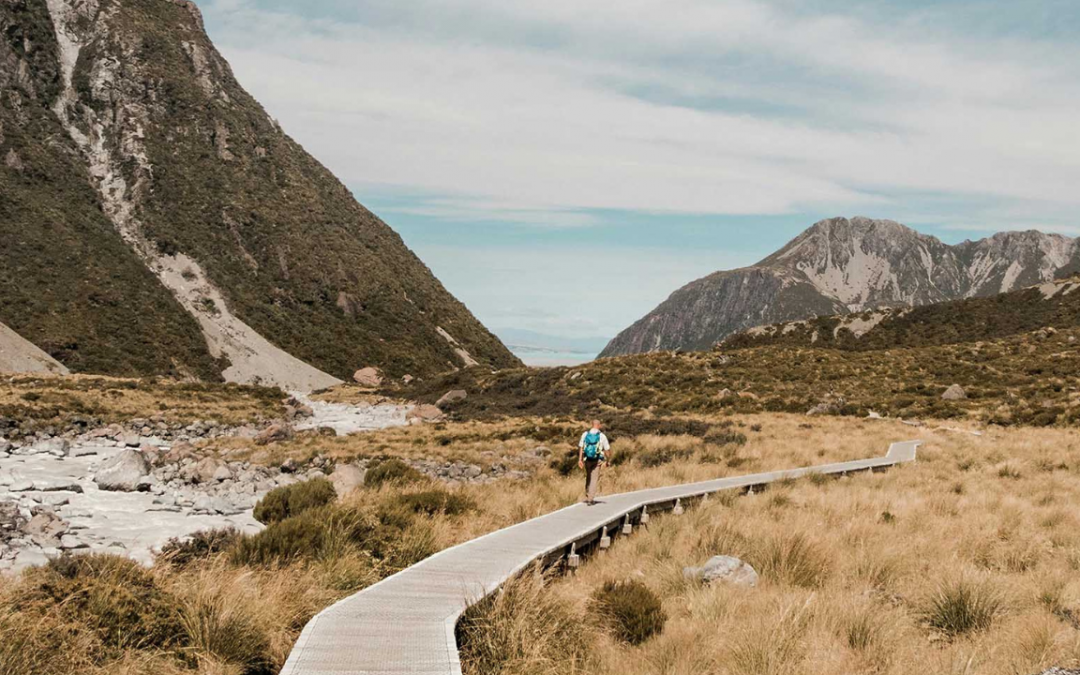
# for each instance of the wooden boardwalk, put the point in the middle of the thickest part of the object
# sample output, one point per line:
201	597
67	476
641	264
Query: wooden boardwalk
405	623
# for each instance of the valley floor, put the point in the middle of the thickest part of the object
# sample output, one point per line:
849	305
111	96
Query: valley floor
861	575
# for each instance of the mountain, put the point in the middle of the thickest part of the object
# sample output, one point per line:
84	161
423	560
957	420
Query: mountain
1051	305
156	220
840	266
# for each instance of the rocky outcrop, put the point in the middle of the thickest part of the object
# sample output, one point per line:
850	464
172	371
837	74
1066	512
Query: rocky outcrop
723	569
841	266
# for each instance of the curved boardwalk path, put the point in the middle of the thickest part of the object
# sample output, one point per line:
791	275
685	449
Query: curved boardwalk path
405	623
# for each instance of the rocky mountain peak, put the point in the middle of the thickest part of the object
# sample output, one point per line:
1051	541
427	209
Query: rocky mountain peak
842	265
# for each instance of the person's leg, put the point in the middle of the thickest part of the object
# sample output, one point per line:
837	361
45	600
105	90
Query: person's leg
592	480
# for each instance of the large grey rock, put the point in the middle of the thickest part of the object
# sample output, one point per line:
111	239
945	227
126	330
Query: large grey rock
346	478
123	471
11	520
274	434
55	446
723	569
954	393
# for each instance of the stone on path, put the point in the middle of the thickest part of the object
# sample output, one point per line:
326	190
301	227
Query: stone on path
452	396
122	472
954	393
725	569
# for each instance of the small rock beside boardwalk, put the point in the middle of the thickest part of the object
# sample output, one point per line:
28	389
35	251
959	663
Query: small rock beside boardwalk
723	569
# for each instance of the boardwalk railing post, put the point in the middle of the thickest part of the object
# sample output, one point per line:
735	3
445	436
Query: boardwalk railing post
573	560
605	540
644	515
627	528
677	510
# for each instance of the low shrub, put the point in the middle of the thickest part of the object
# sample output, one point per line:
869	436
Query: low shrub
962	606
199	546
392	471
437	500
654	457
292	500
723	437
116	599
283	541
630	610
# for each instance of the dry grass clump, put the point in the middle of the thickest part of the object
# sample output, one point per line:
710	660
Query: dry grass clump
199	546
523	628
961	606
292	500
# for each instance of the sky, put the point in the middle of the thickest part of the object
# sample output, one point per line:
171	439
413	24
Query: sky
564	165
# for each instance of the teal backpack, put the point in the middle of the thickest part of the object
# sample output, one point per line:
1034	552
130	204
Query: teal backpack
592	445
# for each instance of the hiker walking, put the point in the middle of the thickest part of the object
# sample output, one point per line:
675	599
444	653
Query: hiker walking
593	451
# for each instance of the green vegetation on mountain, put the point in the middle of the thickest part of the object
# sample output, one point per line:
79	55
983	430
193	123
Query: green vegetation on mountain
205	172
967	320
68	283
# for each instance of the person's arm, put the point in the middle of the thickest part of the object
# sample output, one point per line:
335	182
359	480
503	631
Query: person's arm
607	449
581	452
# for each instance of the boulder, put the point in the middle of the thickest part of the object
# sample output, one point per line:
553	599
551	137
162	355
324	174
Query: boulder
206	469
55	446
725	393
294	409
346	478
830	405
122	472
452	396
46	528
425	413
407	379
723	569
954	393
368	377
274	434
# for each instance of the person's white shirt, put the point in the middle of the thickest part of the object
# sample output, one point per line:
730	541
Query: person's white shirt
603	444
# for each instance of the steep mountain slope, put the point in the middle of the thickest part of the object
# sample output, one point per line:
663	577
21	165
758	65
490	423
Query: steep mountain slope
233	252
1052	305
840	266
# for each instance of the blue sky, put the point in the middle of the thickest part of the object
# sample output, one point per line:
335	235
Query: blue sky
562	166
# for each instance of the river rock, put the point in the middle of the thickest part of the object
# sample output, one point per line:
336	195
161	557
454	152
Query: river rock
274	434
122	472
725	569
346	478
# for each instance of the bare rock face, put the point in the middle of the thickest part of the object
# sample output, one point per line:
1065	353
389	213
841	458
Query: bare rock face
840	266
123	471
954	393
723	569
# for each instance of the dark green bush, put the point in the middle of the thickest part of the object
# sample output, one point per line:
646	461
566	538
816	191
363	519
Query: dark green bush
722	437
283	541
437	500
630	610
392	471
292	500
199	546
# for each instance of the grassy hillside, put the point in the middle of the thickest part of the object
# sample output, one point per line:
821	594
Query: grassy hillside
1054	305
68	283
1029	379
